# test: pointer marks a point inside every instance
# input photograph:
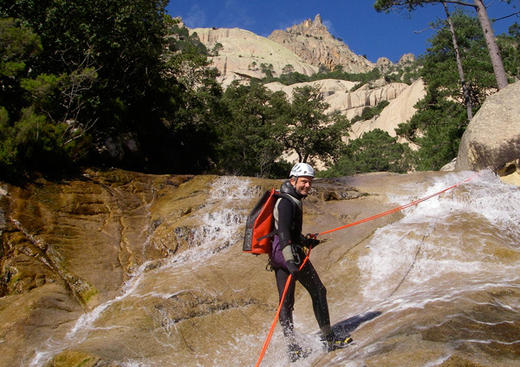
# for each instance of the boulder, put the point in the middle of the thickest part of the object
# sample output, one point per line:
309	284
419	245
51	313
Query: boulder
492	138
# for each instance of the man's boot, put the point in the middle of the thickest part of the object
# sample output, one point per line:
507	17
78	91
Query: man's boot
333	342
296	352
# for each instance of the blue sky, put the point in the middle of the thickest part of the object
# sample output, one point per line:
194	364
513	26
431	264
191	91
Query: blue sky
365	31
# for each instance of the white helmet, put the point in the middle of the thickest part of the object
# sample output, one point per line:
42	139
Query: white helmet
302	169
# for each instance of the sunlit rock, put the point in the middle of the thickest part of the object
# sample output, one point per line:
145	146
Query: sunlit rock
163	252
492	138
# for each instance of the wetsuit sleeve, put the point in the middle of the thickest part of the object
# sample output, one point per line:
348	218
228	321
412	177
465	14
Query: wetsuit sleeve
285	219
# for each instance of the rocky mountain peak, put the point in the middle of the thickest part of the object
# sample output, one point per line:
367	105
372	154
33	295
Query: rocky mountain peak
312	41
310	28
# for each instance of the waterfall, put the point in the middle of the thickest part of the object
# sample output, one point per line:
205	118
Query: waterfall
219	229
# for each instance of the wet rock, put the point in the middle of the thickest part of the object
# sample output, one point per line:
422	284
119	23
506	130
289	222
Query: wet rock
458	361
121	268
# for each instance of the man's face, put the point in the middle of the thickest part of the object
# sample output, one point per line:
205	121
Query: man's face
302	184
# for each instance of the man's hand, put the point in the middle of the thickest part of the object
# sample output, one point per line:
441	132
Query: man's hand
311	240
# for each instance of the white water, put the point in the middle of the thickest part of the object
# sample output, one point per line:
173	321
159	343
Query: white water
221	228
443	252
412	244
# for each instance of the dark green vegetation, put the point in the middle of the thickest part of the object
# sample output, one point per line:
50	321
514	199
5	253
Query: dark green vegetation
114	83
441	119
289	76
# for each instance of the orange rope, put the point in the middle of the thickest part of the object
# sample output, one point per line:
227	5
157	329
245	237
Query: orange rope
394	210
399	208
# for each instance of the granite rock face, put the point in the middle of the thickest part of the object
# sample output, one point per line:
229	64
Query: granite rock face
243	55
312	41
119	268
492	138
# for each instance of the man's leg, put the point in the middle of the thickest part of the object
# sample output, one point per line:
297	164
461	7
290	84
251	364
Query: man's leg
295	351
286	318
309	278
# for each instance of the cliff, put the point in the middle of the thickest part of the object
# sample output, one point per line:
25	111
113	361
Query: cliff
312	41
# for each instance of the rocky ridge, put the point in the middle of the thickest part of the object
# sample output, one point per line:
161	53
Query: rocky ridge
340	97
242	53
312	41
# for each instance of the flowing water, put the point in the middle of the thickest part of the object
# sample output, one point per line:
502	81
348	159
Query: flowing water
442	283
446	279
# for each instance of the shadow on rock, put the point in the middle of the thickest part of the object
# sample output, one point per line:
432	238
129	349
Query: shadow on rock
345	327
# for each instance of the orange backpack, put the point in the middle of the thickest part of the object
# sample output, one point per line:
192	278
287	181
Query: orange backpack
260	224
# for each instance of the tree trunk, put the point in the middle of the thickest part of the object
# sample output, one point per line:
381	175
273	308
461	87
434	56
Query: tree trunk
465	91
494	53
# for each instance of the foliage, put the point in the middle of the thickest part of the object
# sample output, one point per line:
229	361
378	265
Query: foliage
439	67
312	132
510	50
370	112
479	7
30	137
407	73
263	124
115	85
375	151
289	76
187	138
440	120
90	70
251	140
18	48
440	143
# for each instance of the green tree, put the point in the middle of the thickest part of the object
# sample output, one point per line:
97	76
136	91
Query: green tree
437	128
186	140
30	135
439	64
375	151
127	80
441	141
440	121
112	48
496	60
251	139
267	69
510	50
370	112
18	47
312	132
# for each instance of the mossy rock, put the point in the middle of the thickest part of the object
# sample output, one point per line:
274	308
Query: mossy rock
73	358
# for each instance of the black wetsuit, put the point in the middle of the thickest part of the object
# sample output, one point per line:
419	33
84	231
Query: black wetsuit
289	230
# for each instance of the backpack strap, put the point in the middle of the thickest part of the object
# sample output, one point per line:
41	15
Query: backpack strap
295	202
280	195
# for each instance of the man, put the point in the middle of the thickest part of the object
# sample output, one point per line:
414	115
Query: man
287	256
